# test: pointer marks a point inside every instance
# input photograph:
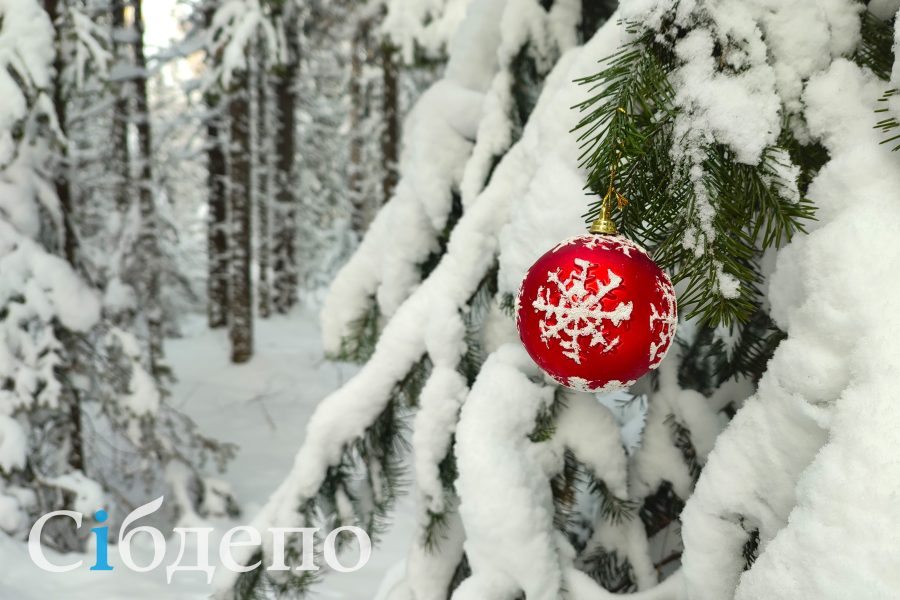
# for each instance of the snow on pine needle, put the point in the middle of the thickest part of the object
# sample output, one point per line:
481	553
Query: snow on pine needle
446	237
422	25
706	96
804	461
434	322
452	140
421	338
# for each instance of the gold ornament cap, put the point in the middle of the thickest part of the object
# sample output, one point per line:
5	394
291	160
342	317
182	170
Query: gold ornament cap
604	224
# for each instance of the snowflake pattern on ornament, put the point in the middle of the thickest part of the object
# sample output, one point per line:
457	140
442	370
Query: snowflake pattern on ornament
579	384
588	241
625	246
579	313
668	317
583	385
591	242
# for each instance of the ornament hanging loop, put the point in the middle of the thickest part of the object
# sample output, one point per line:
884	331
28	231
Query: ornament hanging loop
604	223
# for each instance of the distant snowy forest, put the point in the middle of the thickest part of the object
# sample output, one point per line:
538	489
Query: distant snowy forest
266	265
229	173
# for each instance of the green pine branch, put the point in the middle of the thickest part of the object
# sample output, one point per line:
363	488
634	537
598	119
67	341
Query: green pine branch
890	124
370	474
875	49
358	345
628	125
607	568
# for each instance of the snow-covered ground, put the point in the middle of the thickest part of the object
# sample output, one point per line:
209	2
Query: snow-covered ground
263	407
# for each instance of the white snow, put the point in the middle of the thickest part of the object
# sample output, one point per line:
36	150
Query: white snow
506	504
590	431
36	288
52	287
807	460
512	545
451	138
766	62
739	110
143	396
25	51
234	26
425	24
262	406
88	494
433	430
895	71
12	443
13	517
437	143
343	416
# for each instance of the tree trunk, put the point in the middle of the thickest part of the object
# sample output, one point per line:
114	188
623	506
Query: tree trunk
263	172
68	240
149	255
121	159
241	301
358	110
217	283
69	244
284	230
390	134
217	219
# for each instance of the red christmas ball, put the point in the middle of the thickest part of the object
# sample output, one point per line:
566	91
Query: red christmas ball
596	313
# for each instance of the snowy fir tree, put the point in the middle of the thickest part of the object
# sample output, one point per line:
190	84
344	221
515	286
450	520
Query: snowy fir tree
743	135
85	418
192	192
99	243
